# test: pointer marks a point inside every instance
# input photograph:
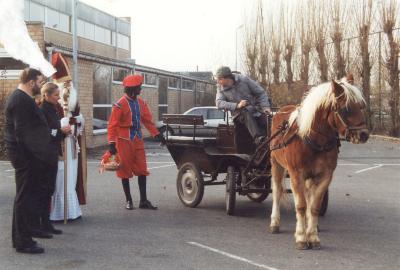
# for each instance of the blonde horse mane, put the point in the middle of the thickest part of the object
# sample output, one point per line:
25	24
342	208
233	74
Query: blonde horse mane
322	96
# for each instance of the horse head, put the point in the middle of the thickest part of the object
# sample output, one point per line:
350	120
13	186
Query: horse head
348	115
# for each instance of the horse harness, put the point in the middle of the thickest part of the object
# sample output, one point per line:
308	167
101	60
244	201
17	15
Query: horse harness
285	129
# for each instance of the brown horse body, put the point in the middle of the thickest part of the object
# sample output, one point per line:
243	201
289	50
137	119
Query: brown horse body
308	151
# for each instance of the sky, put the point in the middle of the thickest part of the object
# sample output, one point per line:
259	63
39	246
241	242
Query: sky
183	35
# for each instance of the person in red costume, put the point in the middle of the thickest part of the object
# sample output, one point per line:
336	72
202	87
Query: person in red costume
125	137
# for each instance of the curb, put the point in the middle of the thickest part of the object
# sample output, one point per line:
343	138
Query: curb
386	138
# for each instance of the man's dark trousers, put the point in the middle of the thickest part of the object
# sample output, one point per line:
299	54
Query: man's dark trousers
26	204
257	126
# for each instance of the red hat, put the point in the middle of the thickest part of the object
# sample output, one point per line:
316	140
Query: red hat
60	64
132	80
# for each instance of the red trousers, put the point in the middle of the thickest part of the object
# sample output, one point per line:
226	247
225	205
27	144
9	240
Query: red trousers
133	158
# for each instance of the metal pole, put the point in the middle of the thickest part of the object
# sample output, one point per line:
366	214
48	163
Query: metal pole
74	45
65	179
379	83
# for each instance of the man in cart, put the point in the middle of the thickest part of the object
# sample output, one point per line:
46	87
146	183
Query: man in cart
246	99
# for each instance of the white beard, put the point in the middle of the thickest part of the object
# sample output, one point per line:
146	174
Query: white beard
72	100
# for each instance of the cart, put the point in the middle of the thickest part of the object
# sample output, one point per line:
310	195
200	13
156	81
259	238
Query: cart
232	152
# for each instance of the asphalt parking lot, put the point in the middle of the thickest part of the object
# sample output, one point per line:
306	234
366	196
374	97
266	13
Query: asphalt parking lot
360	230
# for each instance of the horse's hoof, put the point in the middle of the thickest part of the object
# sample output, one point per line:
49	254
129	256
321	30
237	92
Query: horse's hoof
315	245
274	229
301	245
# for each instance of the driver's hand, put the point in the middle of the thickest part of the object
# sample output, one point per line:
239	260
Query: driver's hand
242	103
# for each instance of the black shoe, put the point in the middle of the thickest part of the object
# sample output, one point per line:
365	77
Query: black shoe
51	230
31	243
147	205
129	205
41	234
32	249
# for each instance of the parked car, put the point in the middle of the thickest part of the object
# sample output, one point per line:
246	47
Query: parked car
212	117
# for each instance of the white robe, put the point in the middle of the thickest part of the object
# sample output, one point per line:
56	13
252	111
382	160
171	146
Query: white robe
57	201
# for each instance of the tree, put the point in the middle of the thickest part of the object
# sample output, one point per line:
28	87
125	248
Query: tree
389	13
337	38
305	37
319	23
289	43
276	51
364	15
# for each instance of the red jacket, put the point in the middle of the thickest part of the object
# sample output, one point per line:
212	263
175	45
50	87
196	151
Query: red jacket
120	120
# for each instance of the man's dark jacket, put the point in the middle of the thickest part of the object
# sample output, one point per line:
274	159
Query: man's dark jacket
26	128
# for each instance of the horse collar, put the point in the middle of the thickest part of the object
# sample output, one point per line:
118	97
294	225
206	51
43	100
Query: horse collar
332	143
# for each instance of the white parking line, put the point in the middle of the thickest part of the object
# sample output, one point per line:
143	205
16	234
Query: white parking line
169	165
148	162
263	266
370	168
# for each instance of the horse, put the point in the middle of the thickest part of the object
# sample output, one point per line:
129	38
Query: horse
307	148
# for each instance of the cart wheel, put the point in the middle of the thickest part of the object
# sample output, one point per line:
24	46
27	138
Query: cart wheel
230	194
260	197
257	197
190	185
324	205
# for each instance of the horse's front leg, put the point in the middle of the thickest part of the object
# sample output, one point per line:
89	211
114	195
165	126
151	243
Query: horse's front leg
298	189
278	173
316	189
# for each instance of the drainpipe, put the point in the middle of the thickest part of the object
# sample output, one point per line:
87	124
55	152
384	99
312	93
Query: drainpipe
74	45
49	53
180	95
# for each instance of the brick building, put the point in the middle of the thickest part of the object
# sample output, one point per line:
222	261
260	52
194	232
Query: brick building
103	61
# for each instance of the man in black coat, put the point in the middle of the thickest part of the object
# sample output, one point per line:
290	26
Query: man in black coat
27	141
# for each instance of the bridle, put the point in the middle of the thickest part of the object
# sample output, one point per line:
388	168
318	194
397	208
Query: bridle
340	114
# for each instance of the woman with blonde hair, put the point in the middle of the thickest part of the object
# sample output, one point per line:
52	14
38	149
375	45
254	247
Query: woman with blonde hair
49	106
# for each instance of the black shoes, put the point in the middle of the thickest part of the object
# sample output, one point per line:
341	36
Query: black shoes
51	230
129	205
41	234
31	249
147	205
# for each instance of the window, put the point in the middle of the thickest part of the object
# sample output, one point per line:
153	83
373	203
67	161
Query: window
26	10
80	28
188	85
119	74
215	114
173	82
89	30
99	34
123	41
57	20
150	79
36	12
113	38
101	96
52	18
107	36
199	111
64	24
